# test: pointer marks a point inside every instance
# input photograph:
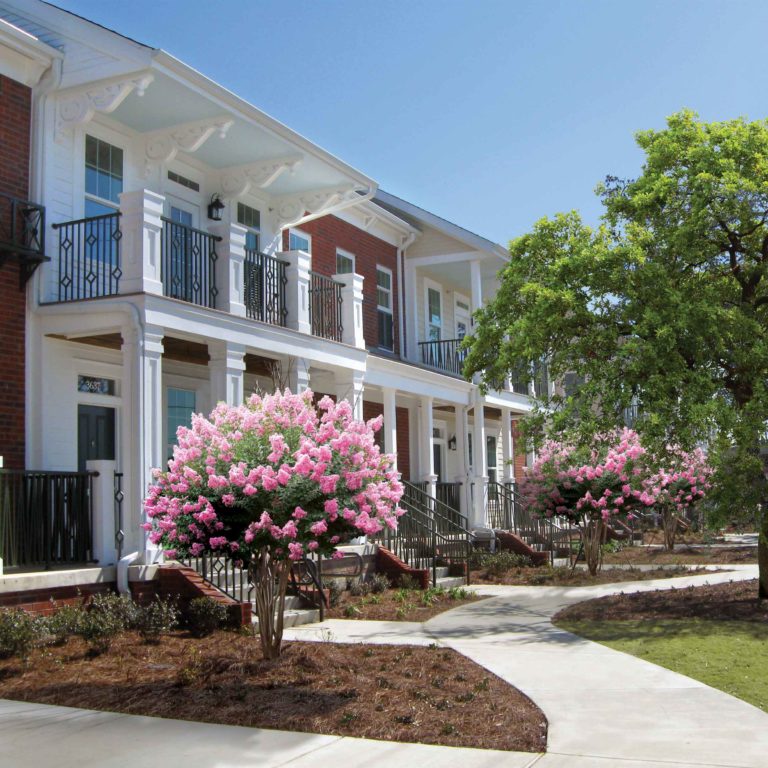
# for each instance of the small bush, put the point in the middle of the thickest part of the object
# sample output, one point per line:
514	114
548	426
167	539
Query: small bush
59	626
379	583
19	633
334	593
121	609
157	618
499	563
99	627
407	581
205	615
458	593
359	588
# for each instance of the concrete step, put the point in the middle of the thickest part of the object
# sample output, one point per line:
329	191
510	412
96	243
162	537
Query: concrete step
294	617
446	582
442	572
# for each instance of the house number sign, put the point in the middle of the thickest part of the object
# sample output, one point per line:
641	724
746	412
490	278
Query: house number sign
95	385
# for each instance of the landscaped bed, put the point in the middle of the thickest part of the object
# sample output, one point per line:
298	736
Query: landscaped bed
687	554
431	695
716	633
398	604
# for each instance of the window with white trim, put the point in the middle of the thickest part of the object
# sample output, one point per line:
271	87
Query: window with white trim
298	241
103	177
345	262
384	308
250	218
181	404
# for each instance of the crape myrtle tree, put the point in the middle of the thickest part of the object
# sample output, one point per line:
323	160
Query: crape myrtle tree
268	483
663	306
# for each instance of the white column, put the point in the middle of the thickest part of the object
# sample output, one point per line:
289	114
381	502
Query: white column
477	286
141	228
426	453
297	289
390	421
226	368
349	386
462	456
480	468
412	321
508	470
298	375
103	505
352	309
230	268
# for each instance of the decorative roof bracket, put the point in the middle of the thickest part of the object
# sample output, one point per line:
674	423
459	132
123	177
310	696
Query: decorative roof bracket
239	180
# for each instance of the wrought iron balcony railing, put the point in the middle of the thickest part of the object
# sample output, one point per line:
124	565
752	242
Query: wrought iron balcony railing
325	307
22	233
265	282
89	257
445	355
188	263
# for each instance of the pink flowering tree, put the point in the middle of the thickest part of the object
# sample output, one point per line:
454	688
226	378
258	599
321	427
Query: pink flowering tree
588	486
680	481
268	483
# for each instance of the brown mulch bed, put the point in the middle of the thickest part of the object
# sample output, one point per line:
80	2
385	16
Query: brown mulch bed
736	600
398	605
557	577
687	555
398	693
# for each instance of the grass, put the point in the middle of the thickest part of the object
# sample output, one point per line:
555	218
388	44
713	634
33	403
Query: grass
729	655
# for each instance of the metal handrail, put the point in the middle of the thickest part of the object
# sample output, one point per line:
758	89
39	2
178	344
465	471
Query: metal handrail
265	282
325	307
443	354
23	231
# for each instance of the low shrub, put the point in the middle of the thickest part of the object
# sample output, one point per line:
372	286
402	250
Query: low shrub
205	615
499	563
99	627
407	581
20	631
379	583
334	593
158	618
60	625
358	588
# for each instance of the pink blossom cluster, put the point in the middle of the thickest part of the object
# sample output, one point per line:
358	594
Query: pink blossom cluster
275	472
614	476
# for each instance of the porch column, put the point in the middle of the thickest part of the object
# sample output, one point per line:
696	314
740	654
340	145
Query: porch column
426	452
147	408
480	468
104	546
411	313
352	309
230	268
390	422
226	368
508	470
462	456
141	228
298	375
477	287
297	290
349	386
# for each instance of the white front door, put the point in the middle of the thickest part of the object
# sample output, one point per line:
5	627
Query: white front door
462	316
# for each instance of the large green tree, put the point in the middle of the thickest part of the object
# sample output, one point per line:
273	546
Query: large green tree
664	306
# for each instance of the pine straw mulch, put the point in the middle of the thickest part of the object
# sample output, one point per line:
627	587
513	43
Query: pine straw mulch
565	577
734	601
687	554
431	695
399	604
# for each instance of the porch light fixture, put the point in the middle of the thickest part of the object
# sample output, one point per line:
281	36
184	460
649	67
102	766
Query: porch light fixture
452	443
215	207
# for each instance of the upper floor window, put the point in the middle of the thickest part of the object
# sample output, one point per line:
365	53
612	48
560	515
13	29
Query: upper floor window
250	218
384	308
434	315
103	176
298	241
345	263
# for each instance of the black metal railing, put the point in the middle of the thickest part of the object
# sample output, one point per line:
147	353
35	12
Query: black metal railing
89	257
188	263
325	307
446	493
429	534
119	496
46	518
444	355
265	282
22	231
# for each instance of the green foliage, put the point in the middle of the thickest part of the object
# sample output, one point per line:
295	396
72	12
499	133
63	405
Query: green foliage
157	618
20	631
498	563
205	615
379	583
406	581
59	626
334	593
99	628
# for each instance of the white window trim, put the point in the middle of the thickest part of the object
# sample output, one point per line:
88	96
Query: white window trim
347	255
460	314
427	320
300	233
98	135
388	271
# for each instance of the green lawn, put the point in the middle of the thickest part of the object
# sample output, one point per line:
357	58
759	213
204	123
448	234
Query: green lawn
729	655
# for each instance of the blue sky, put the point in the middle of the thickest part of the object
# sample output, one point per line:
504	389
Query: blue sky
491	113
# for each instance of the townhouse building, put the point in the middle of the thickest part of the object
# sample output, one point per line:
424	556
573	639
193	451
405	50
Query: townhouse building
190	250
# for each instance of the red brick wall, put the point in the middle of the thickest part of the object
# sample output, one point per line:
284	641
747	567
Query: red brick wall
329	233
519	454
15	102
371	411
40	600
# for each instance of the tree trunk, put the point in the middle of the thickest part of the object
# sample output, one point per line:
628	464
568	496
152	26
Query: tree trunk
762	554
592	536
270	579
669	520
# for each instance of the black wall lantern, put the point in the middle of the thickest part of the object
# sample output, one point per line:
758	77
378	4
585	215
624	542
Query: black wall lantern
215	207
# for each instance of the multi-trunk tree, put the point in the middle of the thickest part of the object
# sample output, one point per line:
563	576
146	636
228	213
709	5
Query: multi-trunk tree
662	308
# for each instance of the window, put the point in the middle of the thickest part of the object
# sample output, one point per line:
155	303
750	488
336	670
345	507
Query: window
103	176
251	219
181	406
490	442
434	314
384	308
345	263
298	241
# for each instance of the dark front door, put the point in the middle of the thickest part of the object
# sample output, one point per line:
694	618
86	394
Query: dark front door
437	453
95	434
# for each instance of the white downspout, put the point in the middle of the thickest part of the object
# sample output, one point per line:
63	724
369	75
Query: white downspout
407	241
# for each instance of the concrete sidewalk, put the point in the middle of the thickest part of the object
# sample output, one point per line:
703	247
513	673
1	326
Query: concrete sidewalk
604	708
